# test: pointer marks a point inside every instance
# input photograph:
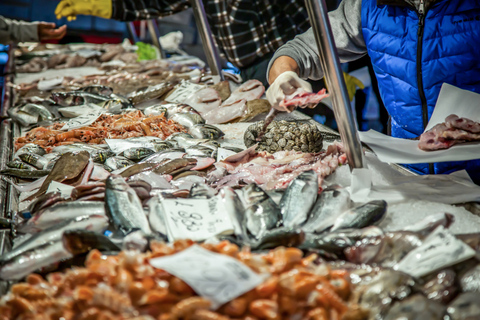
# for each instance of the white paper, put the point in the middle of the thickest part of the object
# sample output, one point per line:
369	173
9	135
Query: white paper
84	120
183	91
44	85
216	277
439	250
119	145
451	100
77	111
64	189
196	219
224	153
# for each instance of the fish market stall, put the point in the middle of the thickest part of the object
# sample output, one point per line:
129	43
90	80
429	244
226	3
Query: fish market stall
146	192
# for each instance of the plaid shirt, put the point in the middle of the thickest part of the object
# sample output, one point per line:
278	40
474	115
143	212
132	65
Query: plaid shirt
244	30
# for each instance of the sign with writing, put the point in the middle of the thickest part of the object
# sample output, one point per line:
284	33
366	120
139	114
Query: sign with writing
183	91
86	119
64	189
76	111
439	250
196	219
214	276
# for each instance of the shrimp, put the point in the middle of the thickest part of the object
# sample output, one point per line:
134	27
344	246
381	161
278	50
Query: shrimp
188	306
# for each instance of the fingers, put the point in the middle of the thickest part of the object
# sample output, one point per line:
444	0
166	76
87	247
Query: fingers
62	5
65	9
53	34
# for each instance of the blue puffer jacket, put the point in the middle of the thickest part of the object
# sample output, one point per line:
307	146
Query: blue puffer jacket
414	54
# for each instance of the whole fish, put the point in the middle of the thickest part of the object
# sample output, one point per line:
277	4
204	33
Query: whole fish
332	202
235	209
175	166
261	214
200	151
124	207
162	145
361	216
155	110
118	162
30	148
29	114
201	191
156	216
98	89
280	237
52	160
161	156
17	164
151	92
298	199
77	98
24	173
33	159
40	257
100	156
430	223
234	149
44	201
83	241
138	168
96	223
205	131
137	153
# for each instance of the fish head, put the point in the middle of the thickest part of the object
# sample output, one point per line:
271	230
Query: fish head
116	182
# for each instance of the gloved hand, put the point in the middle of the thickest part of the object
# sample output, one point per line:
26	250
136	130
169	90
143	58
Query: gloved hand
72	8
352	84
285	84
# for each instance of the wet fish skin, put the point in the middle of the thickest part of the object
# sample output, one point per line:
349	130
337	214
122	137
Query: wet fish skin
417	307
200	151
201	191
283	236
30	148
97	89
17	164
361	216
161	156
332	202
124	207
76	98
156	216
298	199
205	131
163	145
37	109
82	241
24	174
234	149
235	209
33	159
100	156
136	154
187	120
118	162
465	306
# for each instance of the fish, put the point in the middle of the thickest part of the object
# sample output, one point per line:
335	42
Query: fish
97	89
44	201
30	114
151	92
332	202
60	211
417	307
17	164
298	199
201	191
83	241
175	166
234	149
69	166
100	156
118	162
97	223
466	306
124	207
226	113
205	131
161	156
261	214
51	161
361	216
30	148
162	145
33	159
470	280
137	153
139	167
234	207
42	256
280	237
24	173
430	223
223	89
77	98
156	216
200	151
155	110
204	100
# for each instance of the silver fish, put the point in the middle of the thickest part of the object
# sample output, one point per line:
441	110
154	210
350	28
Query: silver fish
30	148
100	156
137	153
17	164
200	151
162	145
25	174
124	207
161	156
361	216
33	159
156	216
332	202
118	162
77	98
205	131
235	209
155	110
201	190
30	113
299	198
98	89
187	120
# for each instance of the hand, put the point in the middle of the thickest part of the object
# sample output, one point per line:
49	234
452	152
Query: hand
72	8
47	31
285	84
352	84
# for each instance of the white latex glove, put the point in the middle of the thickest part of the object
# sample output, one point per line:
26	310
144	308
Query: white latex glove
285	84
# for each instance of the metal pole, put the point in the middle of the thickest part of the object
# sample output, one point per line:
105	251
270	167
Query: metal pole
154	34
318	14
133	33
213	59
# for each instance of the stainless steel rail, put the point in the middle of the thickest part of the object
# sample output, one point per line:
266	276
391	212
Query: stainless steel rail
154	34
9	77
318	14
211	51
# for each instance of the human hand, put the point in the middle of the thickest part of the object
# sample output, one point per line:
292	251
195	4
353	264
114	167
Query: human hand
72	8
47	31
286	84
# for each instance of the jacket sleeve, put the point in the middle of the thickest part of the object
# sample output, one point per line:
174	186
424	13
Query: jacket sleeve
347	32
131	10
17	31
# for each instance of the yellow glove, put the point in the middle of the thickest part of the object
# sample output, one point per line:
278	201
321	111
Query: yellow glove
352	84
72	8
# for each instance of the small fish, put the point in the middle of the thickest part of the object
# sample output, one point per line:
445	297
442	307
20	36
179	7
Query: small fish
51	162
419	307
465	306
137	153
33	159
201	191
161	156
261	214
30	114
151	92
100	156
30	148
118	162
82	241
124	207
200	151
162	145
298	199
205	131
283	236
234	149
155	110
24	174
332	202
77	98
175	166
138	168
156	216
361	216
97	89
187	120
17	164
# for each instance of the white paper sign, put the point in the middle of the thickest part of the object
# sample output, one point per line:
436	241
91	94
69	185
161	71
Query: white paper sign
77	111
183	91
214	276
64	189
44	85
119	145
196	219
222	154
84	120
439	250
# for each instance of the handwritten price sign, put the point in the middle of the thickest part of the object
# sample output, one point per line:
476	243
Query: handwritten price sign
214	276
92	113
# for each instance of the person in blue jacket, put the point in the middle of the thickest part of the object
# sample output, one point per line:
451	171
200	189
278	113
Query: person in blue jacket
414	45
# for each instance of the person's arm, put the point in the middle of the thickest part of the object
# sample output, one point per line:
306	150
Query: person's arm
301	54
17	31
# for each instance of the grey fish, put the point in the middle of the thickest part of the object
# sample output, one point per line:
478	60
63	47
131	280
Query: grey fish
151	92
97	223
187	120
430	223
33	159
124	207
137	153
235	209
77	98
156	216
332	202
17	164
361	216
417	307
51	163
83	241
98	89
200	151
205	131
201	190
32	260
179	135
155	110
30	113
466	306
298	199
262	214
234	149
25	174
118	162
30	148
100	156
161	156
162	145
283	236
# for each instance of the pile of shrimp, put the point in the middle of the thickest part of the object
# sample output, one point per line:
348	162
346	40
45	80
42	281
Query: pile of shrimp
126	286
132	124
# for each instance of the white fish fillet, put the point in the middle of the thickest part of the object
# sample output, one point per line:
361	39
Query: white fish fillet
226	112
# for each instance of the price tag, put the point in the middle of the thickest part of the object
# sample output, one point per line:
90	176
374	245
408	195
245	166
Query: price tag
64	189
44	85
196	219
77	111
224	153
439	250
85	119
119	145
214	276
183	91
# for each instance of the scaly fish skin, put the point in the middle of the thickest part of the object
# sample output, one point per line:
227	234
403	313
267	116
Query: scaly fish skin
205	131
361	216
136	154
33	159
